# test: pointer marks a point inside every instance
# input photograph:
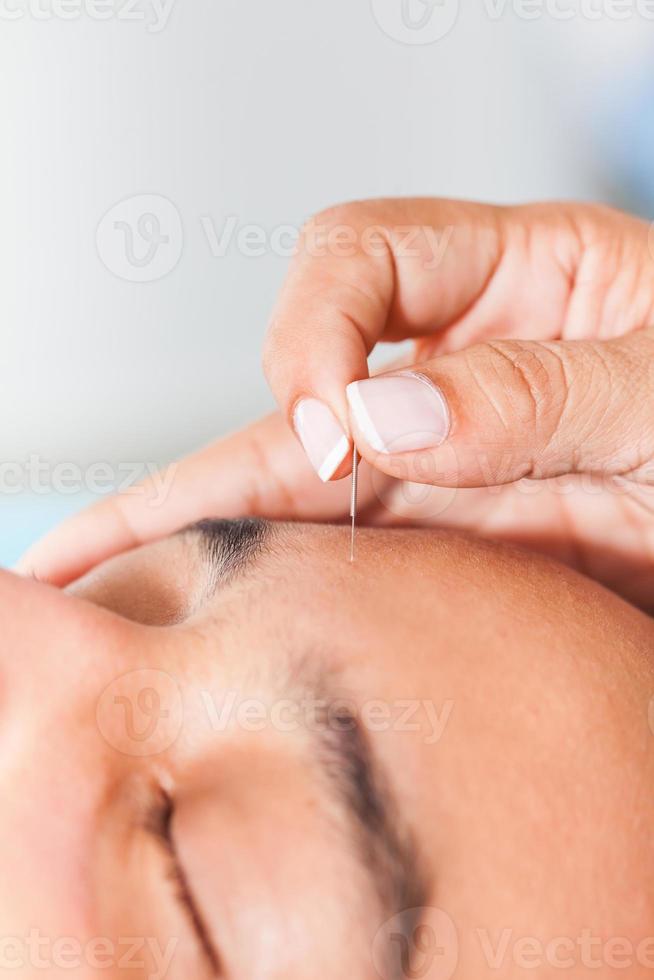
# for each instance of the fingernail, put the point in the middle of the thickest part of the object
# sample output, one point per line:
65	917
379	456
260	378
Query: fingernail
324	441
399	413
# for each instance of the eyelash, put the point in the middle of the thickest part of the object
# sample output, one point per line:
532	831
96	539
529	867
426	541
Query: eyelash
159	825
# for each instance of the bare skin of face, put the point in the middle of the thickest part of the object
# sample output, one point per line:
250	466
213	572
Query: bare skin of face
251	758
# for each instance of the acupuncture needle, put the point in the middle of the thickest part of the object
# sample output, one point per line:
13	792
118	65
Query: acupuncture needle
353	504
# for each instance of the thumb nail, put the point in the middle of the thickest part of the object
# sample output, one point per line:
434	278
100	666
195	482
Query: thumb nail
399	413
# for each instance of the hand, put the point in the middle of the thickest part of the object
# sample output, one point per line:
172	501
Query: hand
541	432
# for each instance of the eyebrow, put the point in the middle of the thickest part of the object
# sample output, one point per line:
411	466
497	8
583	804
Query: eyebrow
230	545
386	848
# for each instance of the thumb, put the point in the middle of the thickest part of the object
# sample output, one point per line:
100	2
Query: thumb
502	411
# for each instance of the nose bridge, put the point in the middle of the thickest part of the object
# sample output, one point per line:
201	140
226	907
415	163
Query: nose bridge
62	660
55	649
58	657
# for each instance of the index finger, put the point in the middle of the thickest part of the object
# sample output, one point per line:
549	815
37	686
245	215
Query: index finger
366	272
259	472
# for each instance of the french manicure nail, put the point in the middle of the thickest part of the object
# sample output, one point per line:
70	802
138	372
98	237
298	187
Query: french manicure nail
322	437
399	413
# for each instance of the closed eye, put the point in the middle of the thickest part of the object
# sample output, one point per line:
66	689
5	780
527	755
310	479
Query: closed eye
159	825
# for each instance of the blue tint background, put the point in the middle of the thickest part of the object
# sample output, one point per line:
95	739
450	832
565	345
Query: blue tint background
26	517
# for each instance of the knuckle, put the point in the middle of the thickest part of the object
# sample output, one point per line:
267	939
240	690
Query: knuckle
534	387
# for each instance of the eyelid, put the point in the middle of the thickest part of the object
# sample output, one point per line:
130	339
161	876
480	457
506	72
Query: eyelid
159	826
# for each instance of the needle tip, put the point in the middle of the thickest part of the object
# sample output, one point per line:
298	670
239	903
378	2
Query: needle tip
353	505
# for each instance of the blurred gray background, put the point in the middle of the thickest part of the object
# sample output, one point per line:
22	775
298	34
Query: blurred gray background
140	140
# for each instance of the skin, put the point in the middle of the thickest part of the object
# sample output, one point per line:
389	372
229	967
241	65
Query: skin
530	812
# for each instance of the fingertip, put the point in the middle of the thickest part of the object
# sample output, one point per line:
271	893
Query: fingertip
37	563
401	412
334	459
322	436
